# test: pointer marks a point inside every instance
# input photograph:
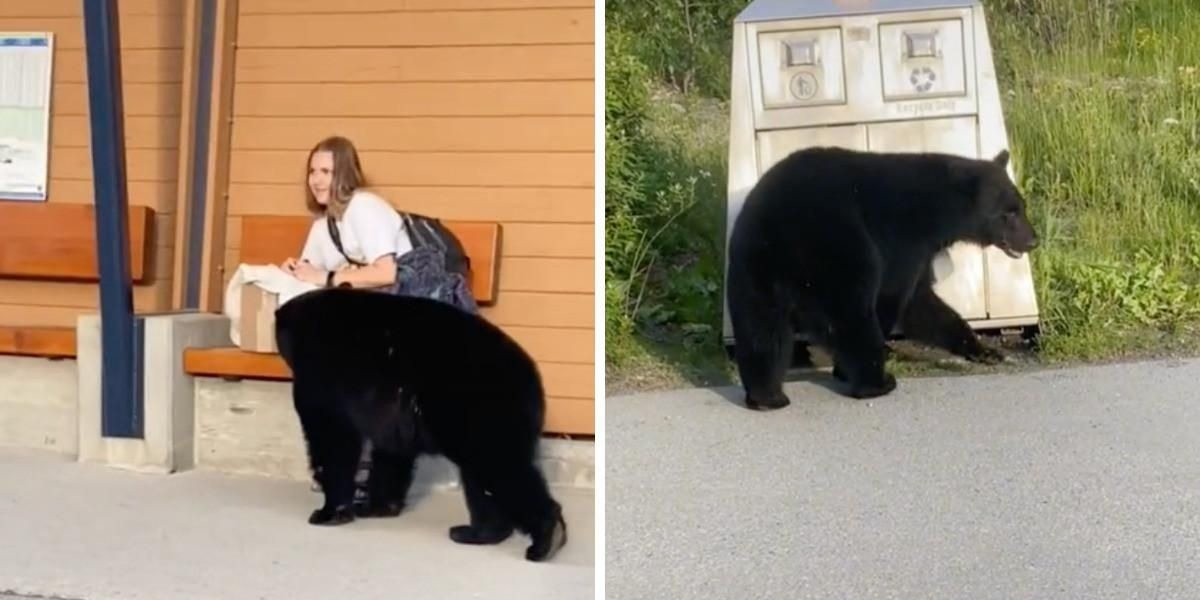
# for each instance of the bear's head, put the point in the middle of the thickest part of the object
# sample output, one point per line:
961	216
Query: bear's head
1000	218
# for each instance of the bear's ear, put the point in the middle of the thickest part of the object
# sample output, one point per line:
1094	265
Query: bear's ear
1001	159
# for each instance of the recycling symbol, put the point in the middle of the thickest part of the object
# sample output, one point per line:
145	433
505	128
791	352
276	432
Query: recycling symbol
922	79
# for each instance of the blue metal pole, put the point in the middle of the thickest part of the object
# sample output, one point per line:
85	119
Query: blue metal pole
121	398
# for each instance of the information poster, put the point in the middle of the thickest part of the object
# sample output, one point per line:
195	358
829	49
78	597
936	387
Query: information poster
25	80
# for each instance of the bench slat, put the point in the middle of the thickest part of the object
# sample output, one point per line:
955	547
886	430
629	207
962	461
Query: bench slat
234	362
57	342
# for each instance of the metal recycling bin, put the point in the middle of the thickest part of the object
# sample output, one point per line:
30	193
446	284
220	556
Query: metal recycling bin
879	75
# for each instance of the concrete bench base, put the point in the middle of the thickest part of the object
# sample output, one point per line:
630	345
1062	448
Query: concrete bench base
168	424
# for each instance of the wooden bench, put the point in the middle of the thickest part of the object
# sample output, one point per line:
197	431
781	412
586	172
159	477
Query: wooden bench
50	342
57	242
271	239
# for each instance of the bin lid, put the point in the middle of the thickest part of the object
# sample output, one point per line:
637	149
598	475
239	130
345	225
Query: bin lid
776	10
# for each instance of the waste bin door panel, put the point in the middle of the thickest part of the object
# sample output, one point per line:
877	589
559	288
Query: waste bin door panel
959	273
775	145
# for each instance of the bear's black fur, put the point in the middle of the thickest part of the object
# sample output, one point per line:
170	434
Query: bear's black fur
470	393
839	244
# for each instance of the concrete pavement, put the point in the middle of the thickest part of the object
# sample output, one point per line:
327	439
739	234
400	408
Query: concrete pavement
1079	483
90	532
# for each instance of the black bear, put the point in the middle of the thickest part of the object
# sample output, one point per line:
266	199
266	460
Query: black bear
839	244
416	375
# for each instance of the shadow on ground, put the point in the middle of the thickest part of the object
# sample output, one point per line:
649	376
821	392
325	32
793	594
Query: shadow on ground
670	362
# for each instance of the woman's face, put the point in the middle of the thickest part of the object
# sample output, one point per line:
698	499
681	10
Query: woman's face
320	175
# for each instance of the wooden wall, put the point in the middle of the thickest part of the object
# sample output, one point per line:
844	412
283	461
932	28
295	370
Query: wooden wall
152	41
473	109
483	111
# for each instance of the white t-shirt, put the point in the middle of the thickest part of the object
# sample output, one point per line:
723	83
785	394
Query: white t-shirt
369	229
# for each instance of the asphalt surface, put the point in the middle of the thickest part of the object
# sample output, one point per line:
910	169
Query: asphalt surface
1081	483
88	532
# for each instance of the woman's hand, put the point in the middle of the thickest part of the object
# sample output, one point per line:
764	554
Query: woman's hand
304	271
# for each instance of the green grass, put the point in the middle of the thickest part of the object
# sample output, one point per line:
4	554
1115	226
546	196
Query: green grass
1102	108
1102	105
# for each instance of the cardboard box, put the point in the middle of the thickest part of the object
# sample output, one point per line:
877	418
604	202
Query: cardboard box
257	325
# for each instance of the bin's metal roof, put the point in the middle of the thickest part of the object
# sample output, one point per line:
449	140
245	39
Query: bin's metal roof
775	10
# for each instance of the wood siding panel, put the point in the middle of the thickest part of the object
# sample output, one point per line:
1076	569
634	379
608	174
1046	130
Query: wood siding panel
483	63
137	31
140	165
140	99
537	309
156	65
73	8
568	380
522	274
557	240
40	315
141	132
258	7
417	28
474	110
426	134
158	195
570	414
503	169
464	99
565	345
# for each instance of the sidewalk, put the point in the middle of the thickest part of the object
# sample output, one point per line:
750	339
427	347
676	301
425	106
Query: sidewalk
87	532
1072	483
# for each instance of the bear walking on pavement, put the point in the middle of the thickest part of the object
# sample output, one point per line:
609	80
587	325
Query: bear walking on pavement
839	243
416	375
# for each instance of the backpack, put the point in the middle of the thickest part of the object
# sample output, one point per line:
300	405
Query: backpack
422	231
428	231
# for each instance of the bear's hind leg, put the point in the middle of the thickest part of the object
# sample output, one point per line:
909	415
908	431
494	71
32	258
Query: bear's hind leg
523	494
763	332
489	524
342	448
334	446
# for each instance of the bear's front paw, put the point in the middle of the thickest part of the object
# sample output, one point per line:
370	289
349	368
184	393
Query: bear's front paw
863	391
771	402
335	516
985	355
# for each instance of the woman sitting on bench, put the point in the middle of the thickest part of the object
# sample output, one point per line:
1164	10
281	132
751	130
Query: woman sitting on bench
360	240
